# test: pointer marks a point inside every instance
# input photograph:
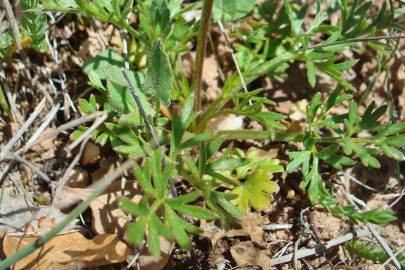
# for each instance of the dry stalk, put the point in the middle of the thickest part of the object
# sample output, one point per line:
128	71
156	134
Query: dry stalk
306	252
200	53
64	127
23	128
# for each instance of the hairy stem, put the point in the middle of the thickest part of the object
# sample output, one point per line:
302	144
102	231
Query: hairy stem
149	127
200	53
246	134
354	40
258	135
148	124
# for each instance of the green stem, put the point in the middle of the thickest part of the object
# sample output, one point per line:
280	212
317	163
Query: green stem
149	128
282	137
354	40
200	52
258	135
101	186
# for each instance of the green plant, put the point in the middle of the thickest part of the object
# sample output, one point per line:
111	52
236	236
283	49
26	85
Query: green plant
339	149
32	28
129	137
224	181
154	181
373	253
257	187
125	130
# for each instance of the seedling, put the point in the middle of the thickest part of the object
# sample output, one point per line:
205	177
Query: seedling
224	182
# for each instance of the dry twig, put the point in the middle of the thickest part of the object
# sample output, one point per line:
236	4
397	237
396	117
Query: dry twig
306	252
64	127
23	128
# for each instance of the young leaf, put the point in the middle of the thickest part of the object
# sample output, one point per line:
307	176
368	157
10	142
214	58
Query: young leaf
144	179
132	151
316	189
370	118
372	253
255	191
136	231
33	25
311	72
113	73
155	229
392	152
352	118
378	216
393	129
102	139
194	211
335	98
397	141
125	8
156	18
295	20
202	160
140	209
179	228
299	159
333	71
153	241
174	6
184	199
86	107
214	146
329	155
131	120
346	65
187	114
65	6
224	202
365	154
313	107
159	181
121	99
159	227
180	204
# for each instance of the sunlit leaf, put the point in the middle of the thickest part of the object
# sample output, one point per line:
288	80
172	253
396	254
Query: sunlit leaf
159	76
